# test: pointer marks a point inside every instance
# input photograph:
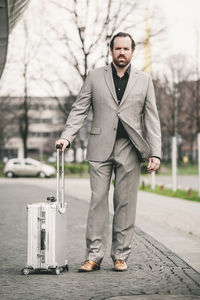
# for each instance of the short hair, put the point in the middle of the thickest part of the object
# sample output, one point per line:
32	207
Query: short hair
122	34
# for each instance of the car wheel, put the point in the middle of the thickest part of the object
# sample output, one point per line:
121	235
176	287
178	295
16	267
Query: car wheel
10	174
42	174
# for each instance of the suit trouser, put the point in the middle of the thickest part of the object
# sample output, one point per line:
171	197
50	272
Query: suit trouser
124	161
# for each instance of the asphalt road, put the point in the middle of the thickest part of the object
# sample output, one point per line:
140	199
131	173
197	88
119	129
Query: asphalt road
154	271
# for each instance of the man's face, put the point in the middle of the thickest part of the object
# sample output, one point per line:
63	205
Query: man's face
122	52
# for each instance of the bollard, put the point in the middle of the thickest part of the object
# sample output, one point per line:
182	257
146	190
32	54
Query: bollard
162	188
190	192
143	185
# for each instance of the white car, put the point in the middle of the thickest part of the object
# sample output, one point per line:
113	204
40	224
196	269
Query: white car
27	167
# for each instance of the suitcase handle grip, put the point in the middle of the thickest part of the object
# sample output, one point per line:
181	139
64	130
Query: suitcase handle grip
59	146
61	202
43	239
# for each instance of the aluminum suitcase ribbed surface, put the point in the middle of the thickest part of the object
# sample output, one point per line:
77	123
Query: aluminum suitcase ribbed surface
47	231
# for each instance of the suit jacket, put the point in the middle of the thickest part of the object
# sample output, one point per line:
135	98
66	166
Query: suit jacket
137	112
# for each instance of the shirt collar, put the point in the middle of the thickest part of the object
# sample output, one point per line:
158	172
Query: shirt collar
127	73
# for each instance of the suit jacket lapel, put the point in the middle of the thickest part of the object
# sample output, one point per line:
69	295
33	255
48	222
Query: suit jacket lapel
131	82
110	82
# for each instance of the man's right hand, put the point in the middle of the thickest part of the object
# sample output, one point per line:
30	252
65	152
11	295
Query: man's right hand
63	142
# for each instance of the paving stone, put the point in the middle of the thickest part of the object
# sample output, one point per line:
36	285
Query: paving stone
154	271
155	297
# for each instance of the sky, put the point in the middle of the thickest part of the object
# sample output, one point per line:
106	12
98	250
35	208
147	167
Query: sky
180	17
183	17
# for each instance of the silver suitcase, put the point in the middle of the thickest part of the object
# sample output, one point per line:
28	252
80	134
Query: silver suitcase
47	230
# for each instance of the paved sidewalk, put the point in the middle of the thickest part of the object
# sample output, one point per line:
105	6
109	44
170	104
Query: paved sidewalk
154	271
173	222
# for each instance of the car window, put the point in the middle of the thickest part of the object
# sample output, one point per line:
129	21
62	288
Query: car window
16	163
28	164
33	162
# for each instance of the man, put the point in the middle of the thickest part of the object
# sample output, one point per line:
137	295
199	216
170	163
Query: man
125	131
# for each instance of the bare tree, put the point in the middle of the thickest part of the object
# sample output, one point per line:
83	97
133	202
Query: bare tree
90	27
23	112
179	74
164	109
196	84
172	98
82	39
190	100
85	36
3	124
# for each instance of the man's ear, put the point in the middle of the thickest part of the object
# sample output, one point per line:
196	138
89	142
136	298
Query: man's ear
111	52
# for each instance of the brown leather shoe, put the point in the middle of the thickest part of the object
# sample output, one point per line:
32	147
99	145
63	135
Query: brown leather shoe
89	266
120	265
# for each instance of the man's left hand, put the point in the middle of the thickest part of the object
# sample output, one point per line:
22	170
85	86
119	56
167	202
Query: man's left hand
153	165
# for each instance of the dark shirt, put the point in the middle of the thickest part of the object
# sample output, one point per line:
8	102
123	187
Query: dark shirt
120	82
120	86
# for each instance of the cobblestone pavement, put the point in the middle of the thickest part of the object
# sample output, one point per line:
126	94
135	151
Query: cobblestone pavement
154	272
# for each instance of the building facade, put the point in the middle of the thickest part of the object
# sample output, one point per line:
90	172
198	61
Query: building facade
45	123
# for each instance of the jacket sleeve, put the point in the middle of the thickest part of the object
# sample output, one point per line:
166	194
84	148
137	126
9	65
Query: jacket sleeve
79	111
152	122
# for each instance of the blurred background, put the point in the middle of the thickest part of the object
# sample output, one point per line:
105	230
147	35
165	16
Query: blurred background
47	48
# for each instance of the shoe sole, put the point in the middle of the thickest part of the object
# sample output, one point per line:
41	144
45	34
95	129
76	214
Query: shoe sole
86	271
120	270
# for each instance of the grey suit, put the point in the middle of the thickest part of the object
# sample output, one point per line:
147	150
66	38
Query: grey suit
138	114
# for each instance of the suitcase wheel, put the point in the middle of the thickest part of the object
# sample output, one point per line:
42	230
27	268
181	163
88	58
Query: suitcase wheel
66	268
57	271
25	271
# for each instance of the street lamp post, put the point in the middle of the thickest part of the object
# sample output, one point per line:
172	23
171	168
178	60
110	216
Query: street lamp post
198	141
41	142
174	163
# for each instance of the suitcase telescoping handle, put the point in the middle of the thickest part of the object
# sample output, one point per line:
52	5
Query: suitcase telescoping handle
60	200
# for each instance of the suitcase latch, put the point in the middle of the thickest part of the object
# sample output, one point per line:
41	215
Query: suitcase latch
41	219
42	256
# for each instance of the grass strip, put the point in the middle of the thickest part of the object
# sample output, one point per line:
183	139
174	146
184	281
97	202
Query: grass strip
161	190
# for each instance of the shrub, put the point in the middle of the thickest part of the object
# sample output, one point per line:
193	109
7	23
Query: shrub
75	168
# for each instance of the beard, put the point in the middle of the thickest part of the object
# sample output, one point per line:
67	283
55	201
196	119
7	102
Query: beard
121	63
